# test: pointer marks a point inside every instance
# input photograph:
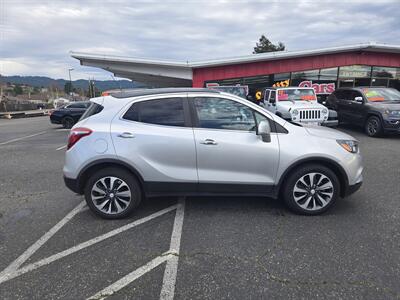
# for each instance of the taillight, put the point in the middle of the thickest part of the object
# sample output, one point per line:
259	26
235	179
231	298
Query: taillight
76	134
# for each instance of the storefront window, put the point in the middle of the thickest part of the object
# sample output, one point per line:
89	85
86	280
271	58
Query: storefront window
356	71
384	72
329	74
379	82
281	76
306	75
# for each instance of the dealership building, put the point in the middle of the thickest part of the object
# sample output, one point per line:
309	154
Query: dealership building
369	64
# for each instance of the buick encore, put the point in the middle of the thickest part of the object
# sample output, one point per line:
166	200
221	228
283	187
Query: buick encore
130	145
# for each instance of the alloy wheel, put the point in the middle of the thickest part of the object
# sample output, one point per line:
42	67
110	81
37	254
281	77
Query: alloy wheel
111	195
372	127
313	191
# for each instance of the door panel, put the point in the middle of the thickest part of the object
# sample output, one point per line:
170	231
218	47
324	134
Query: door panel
236	157
160	153
344	105
228	149
356	109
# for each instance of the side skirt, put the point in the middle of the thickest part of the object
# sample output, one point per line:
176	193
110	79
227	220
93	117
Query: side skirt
157	189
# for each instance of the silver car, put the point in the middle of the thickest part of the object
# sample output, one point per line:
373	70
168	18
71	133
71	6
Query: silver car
136	144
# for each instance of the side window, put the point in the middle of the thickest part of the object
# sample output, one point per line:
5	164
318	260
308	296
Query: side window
337	94
272	97
275	127
220	113
77	105
168	112
347	95
266	95
355	94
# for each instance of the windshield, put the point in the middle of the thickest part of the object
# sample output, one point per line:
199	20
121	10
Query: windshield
240	91
381	95
296	95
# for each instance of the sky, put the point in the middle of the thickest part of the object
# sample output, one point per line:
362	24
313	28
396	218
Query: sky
37	36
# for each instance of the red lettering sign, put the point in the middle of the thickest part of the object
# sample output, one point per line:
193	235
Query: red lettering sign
320	88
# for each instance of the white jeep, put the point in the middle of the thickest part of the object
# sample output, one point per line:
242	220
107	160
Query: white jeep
300	105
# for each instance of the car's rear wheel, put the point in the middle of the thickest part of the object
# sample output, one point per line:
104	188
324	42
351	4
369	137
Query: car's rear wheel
373	126
112	193
311	189
68	122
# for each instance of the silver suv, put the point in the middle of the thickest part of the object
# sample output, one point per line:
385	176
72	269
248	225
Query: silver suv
136	144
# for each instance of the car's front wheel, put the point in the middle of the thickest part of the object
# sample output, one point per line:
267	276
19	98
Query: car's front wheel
112	193
311	189
373	126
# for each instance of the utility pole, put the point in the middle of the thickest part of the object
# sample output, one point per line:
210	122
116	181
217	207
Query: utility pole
70	81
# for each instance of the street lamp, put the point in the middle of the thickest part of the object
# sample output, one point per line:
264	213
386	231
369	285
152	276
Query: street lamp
70	81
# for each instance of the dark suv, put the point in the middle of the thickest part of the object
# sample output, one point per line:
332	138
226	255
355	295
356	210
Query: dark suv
377	109
69	114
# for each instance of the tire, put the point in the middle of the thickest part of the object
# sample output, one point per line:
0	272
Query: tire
306	198
112	193
68	122
373	127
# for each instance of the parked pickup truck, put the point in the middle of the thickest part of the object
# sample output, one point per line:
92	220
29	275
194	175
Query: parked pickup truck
300	105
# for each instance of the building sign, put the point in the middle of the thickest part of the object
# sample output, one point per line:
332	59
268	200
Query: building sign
320	88
283	83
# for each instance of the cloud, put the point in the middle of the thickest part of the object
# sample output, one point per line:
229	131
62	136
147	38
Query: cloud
36	36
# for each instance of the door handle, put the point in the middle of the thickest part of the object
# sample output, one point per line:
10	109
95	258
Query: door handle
126	135
209	142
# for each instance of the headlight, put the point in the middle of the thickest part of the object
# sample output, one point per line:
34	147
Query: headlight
392	113
295	112
349	145
324	111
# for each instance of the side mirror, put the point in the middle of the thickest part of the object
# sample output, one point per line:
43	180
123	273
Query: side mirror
272	101
264	130
359	99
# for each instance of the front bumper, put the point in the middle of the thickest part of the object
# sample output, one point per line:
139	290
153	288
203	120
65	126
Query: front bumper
73	185
391	125
330	123
351	189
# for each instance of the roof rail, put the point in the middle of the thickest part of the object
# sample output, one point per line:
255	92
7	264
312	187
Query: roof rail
144	92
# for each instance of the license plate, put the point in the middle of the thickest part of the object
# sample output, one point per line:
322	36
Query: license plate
311	123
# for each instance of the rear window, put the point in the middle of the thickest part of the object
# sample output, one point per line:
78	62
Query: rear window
93	109
168	112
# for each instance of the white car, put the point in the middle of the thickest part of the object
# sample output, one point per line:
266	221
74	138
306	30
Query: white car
300	105
149	143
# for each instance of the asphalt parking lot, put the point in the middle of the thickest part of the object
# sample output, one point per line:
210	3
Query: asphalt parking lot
53	247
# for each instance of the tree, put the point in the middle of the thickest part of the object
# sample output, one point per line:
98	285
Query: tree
265	45
17	90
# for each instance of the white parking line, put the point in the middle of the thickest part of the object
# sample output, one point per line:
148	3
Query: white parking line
62	147
169	280
124	281
12	271
8	272
171	269
63	129
22	138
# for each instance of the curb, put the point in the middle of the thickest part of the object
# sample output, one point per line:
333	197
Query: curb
17	115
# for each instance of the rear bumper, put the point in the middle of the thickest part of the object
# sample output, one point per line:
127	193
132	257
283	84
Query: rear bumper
73	185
